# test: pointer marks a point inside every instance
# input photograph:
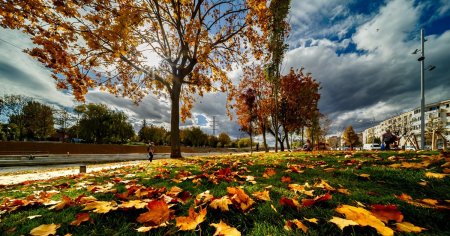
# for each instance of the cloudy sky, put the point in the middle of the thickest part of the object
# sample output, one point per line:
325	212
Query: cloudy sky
359	50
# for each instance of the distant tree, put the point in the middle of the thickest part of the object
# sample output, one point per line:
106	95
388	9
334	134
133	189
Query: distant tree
212	141
224	139
194	136
152	133
350	137
99	124
12	105
63	118
246	111
35	121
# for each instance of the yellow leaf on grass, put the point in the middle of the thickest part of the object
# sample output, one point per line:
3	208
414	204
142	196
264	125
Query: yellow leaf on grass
324	185
263	195
343	191
301	189
44	230
429	201
312	220
290	223
342	223
435	175
157	215
240	198
364	218
138	204
221	203
191	221
225	230
408	227
101	206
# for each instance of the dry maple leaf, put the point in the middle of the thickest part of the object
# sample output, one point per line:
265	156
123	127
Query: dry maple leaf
203	197
157	215
435	175
324	185
225	230
343	191
44	230
191	221
138	204
65	201
300	189
263	195
240	198
80	218
269	172
364	218
386	213
101	206
221	203
312	220
174	191
289	202
342	223
408	227
290	223
286	179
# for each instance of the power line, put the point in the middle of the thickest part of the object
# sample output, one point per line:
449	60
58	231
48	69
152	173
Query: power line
11	44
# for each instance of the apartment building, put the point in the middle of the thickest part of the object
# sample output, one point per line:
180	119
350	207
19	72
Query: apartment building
437	116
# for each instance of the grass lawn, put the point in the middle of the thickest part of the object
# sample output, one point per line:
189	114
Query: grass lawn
362	193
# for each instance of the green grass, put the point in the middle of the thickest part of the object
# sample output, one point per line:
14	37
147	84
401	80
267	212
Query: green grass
381	187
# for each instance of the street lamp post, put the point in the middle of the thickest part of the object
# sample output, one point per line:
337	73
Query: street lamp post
422	93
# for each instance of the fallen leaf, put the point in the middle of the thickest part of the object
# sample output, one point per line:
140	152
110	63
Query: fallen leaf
44	230
342	223
32	217
65	201
343	191
408	227
269	172
300	189
312	220
364	218
263	195
225	230
330	169
289	202
80	218
138	204
435	175
386	213
101	206
241	199
191	221
290	223
364	176
324	185
157	215
286	179
221	203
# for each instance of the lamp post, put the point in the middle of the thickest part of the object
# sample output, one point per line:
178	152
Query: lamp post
422	87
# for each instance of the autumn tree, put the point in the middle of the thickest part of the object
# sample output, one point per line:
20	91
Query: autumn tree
278	29
110	44
246	111
152	133
350	137
35	120
194	136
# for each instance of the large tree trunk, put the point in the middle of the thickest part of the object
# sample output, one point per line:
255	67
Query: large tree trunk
175	150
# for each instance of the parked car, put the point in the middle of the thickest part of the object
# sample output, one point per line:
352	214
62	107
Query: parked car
371	146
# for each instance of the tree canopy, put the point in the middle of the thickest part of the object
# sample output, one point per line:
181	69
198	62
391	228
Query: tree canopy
92	43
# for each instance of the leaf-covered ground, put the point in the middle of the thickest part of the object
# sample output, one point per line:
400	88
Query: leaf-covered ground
330	193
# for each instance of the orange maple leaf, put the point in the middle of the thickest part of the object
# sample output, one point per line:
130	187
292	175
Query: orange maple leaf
269	172
191	221
240	198
387	212
225	230
80	218
157	215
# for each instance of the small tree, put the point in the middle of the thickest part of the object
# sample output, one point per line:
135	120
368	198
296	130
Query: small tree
224	139
350	137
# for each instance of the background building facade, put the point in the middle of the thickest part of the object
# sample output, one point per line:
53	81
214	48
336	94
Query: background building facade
407	124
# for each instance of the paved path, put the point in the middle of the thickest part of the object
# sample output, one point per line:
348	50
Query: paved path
48	174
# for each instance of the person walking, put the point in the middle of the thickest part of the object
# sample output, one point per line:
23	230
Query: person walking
150	150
